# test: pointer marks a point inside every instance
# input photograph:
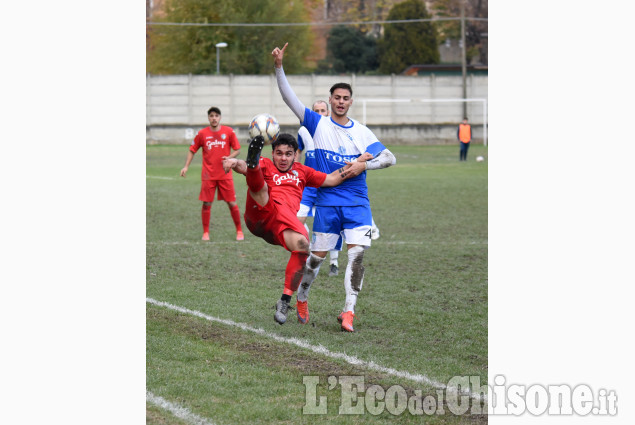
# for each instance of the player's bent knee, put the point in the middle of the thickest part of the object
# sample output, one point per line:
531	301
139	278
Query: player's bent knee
295	241
303	244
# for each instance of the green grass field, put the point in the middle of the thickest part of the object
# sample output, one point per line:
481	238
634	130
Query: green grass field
422	309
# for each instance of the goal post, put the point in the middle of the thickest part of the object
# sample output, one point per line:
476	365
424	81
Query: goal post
482	101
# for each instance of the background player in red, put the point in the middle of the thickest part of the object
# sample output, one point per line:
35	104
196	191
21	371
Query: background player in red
217	142
273	198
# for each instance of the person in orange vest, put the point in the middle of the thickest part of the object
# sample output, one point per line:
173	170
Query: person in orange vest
464	134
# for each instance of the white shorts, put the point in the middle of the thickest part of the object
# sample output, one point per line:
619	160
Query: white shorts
306	211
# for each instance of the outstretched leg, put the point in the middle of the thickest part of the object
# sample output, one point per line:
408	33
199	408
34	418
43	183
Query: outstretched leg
255	180
254	150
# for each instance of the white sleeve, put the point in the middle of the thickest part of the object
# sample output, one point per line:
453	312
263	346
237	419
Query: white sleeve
307	140
384	160
288	95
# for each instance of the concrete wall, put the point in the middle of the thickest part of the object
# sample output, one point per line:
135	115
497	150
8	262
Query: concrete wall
176	105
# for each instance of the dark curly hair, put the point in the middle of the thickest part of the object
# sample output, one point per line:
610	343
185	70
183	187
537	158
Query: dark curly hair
344	86
285	139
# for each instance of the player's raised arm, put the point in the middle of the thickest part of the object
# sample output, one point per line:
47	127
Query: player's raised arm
278	54
287	93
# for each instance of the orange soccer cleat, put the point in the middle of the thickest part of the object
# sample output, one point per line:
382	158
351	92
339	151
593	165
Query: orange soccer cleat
205	236
346	319
240	235
302	309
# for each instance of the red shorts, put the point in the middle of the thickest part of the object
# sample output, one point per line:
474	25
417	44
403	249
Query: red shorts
226	190
270	221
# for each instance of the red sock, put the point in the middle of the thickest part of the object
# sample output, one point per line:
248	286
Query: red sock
206	213
255	179
235	211
294	272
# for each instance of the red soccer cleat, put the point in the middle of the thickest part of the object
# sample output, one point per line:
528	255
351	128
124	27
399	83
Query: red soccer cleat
302	309
205	236
346	319
240	235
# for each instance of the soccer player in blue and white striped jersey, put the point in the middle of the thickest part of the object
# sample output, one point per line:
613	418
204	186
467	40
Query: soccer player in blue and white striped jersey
345	209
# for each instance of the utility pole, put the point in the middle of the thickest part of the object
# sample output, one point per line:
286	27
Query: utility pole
218	47
463	57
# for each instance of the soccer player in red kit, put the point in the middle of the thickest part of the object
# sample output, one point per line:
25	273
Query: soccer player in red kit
217	142
273	198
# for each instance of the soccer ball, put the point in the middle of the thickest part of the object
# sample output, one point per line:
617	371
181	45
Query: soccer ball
264	125
480	159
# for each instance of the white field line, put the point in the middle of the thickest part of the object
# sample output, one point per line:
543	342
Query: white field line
198	242
319	349
247	241
178	411
389	242
160	177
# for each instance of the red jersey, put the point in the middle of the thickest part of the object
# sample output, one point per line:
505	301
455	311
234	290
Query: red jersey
216	145
286	188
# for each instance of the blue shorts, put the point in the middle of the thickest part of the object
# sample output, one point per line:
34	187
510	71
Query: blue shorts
331	223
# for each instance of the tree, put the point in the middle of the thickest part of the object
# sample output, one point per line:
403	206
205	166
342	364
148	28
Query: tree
408	43
359	10
350	50
475	31
192	49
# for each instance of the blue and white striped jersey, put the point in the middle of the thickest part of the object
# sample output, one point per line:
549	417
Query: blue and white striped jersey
334	144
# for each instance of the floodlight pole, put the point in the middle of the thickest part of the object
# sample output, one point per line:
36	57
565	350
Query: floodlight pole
218	47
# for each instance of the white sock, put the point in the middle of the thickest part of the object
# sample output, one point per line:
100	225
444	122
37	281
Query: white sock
313	264
354	277
333	255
